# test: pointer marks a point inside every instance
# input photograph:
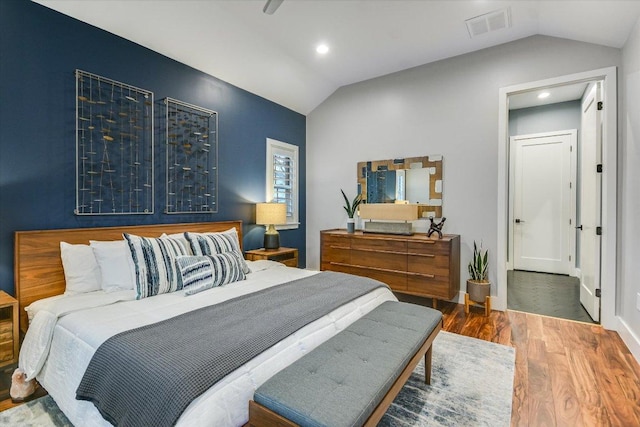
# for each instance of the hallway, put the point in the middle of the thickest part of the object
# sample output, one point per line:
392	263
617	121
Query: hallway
546	294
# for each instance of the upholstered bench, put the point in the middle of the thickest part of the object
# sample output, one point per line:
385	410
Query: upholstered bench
351	379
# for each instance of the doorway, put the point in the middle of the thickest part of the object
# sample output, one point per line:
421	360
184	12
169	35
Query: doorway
542	191
504	255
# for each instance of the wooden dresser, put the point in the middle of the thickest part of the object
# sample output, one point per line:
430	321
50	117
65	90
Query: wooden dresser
416	264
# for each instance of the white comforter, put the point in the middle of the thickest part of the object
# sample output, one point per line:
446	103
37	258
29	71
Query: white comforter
66	331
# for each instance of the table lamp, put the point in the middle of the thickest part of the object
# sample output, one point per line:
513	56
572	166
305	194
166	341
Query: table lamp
387	215
271	214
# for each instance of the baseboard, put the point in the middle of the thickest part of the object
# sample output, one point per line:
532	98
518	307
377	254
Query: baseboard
578	273
630	338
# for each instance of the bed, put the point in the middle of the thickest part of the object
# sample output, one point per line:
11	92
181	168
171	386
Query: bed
81	323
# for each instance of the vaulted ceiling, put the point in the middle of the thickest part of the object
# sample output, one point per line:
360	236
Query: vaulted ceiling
274	55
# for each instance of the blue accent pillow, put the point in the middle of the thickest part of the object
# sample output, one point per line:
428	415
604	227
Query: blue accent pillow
154	264
200	272
216	243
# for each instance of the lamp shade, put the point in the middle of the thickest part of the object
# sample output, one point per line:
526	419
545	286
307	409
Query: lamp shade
389	211
271	213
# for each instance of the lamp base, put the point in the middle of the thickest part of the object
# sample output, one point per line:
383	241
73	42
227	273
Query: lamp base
271	241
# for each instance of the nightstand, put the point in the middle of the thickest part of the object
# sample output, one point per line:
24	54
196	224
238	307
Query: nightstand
8	329
287	256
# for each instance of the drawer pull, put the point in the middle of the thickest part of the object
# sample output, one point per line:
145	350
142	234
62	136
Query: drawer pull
429	276
378	251
386	270
424	255
339	247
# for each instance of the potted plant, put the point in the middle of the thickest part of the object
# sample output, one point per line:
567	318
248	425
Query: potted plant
478	286
351	210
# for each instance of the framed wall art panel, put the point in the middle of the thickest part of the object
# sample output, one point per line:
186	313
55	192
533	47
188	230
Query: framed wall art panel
191	158
114	147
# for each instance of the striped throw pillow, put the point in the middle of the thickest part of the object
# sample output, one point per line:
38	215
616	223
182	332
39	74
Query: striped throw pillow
216	243
198	273
154	264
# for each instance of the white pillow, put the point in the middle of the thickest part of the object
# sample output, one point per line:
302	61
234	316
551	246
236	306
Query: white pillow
154	264
216	243
115	263
81	271
182	238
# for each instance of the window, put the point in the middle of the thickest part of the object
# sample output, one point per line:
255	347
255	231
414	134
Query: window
282	178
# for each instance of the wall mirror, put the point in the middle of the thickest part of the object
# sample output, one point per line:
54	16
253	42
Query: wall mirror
410	180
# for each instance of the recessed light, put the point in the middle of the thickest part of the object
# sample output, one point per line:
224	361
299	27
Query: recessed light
543	95
322	49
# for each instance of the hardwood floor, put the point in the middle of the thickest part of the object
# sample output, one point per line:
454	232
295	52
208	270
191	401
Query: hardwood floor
567	373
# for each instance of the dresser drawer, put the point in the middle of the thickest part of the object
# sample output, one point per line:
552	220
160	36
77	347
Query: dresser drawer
429	247
335	254
389	261
335	249
396	281
6	350
6	325
334	241
380	245
428	264
339	267
386	253
436	287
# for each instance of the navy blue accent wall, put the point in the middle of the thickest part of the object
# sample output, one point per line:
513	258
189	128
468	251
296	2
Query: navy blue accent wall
39	52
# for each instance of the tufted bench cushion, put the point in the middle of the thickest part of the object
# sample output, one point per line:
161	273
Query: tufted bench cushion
342	381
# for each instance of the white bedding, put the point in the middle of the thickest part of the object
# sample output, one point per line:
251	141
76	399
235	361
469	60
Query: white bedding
77	332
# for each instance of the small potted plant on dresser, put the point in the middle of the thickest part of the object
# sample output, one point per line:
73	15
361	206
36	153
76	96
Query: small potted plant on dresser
351	208
478	285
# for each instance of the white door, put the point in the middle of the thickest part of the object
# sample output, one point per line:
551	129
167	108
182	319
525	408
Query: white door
542	201
590	202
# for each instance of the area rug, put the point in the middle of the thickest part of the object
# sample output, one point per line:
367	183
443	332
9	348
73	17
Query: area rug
471	385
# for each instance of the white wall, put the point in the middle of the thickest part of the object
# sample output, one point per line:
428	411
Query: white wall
449	107
629	195
545	118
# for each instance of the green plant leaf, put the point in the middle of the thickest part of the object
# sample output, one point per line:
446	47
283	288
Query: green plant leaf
351	207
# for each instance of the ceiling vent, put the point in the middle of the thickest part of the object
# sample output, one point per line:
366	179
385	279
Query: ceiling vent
492	21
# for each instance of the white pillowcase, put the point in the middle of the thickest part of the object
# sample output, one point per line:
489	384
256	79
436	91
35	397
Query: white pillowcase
216	243
116	266
154	264
182	238
81	271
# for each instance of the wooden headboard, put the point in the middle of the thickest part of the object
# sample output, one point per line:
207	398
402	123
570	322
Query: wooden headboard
38	267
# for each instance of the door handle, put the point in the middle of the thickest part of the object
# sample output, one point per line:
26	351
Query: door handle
579	227
519	221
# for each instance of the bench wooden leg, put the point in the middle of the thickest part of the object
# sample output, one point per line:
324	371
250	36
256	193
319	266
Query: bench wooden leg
427	366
